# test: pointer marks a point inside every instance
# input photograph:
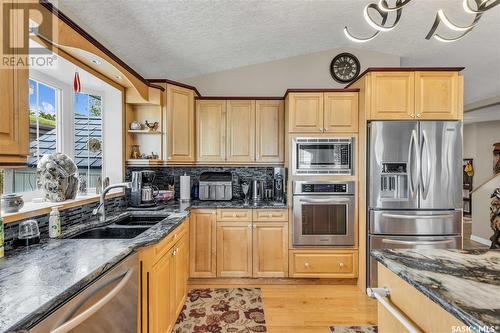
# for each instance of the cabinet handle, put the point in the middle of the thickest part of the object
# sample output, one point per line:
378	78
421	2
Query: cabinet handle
234	214
306	264
419	115
412	115
175	236
341	264
249	225
174	252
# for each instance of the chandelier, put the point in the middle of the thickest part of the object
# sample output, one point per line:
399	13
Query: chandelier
377	16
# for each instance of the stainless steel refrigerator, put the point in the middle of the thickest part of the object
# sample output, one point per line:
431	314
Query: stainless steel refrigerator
415	186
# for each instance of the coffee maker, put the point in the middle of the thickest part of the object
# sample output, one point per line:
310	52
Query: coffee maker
279	184
144	192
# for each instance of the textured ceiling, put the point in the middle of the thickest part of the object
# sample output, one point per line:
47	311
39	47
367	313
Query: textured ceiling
180	39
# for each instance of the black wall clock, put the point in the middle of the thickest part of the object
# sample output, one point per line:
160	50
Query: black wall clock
344	67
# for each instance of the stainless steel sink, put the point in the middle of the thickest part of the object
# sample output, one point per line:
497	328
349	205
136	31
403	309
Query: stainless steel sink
111	233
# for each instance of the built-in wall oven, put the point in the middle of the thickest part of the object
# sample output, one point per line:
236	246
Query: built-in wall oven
323	213
323	155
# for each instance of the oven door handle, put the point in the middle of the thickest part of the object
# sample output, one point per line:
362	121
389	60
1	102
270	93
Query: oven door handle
430	242
333	201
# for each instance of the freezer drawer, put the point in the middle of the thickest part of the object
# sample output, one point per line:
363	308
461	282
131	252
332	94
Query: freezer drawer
408	242
387	222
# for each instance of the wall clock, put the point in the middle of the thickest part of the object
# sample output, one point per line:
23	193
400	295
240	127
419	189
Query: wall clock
344	67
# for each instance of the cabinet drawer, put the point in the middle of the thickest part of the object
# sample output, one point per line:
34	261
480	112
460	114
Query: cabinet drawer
228	214
170	240
323	264
270	215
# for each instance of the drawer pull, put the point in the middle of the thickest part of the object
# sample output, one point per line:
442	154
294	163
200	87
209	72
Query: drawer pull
175	236
306	264
380	295
249	225
341	264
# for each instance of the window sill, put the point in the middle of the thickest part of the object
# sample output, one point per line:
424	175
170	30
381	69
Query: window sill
32	209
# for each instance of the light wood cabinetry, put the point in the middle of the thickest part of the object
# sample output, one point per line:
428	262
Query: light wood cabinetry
234	249
211	130
269	131
305	112
180	118
425	95
229	214
340	112
270	249
14	112
161	285
181	267
323	263
202	243
240	135
418	308
270	215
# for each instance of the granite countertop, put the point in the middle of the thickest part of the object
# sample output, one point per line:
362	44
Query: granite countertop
36	280
466	283
238	203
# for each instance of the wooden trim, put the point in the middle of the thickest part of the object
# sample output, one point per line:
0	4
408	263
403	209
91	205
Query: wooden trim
405	69
175	83
313	90
276	281
244	98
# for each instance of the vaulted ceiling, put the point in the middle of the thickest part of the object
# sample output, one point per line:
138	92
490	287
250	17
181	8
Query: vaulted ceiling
181	39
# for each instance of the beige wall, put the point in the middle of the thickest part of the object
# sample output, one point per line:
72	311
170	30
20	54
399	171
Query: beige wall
274	77
478	141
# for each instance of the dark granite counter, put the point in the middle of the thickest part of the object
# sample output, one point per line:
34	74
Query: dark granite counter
465	283
36	280
236	204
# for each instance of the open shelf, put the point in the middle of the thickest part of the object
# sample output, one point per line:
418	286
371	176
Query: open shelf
145	132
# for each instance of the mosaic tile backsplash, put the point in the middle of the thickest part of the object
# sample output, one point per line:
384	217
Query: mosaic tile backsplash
69	217
239	175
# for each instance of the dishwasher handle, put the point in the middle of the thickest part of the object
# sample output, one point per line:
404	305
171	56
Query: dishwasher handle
71	324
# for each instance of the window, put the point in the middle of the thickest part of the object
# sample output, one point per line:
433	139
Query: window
88	137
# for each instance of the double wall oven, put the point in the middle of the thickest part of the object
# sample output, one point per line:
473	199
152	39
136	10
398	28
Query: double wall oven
323	213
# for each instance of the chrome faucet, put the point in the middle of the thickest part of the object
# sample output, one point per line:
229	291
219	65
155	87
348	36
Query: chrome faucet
101	209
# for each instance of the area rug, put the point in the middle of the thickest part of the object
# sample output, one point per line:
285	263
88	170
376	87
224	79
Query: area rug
354	329
222	310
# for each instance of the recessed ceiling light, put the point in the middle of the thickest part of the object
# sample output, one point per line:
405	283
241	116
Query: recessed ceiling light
118	77
95	61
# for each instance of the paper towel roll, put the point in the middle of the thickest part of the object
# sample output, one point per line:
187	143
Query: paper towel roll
185	188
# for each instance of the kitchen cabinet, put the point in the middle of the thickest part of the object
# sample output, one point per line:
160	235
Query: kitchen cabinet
269	131
315	263
202	243
162	282
240	135
305	112
270	249
181	269
422	95
340	112
14	92
229	214
234	249
211	130
180	125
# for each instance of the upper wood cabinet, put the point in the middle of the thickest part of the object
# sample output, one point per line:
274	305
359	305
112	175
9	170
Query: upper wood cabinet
240	135
332	112
340	112
14	111
426	95
181	125
269	131
234	249
211	130
202	243
436	95
305	112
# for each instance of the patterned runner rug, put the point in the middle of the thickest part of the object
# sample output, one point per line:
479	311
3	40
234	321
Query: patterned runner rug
354	329
222	310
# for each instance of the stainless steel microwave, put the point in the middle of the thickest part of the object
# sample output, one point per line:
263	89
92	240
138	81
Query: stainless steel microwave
323	155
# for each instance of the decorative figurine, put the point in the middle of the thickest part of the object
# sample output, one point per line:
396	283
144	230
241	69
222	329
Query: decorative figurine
153	127
136	152
57	177
495	219
82	185
135	125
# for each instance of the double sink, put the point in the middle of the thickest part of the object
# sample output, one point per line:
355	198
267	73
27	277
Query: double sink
124	228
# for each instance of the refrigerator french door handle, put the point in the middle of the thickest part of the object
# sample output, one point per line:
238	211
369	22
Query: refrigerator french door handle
413	147
426	182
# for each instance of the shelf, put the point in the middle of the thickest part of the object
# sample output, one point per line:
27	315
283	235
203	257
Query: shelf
144	162
144	132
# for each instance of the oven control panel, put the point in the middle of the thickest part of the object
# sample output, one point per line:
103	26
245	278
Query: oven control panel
323	187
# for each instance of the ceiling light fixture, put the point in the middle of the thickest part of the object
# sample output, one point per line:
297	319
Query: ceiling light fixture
96	62
118	77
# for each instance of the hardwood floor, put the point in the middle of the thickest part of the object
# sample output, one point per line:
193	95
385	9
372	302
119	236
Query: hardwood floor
310	308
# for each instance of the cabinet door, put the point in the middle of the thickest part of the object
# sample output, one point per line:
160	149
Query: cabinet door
270	249
202	241
305	112
436	95
269	131
181	126
211	130
181	259
393	95
14	113
162	305
240	131
341	112
234	249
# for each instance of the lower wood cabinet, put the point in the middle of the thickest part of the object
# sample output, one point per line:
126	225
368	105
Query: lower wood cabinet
316	263
270	249
234	249
202	243
163	281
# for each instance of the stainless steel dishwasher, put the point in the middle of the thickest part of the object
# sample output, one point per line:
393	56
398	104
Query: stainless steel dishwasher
108	305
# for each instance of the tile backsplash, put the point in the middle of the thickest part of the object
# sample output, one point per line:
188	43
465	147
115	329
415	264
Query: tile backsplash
240	174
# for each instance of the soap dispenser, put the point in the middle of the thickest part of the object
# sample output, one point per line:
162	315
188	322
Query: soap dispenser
54	223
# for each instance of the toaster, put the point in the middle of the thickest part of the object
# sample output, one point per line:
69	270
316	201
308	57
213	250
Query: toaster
216	186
